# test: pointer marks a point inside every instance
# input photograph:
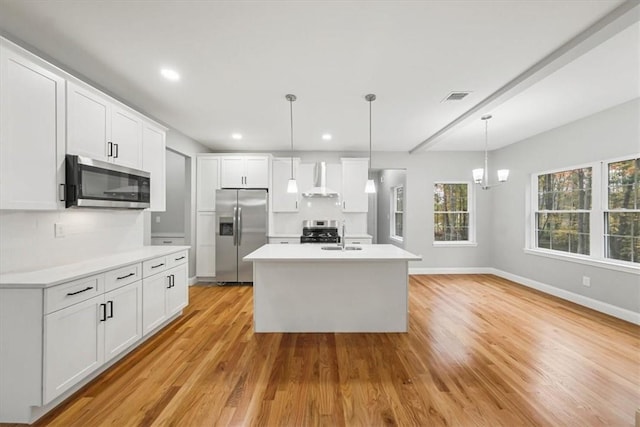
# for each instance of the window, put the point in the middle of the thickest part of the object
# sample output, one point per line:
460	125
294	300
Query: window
563	214
622	215
451	213
589	213
397	212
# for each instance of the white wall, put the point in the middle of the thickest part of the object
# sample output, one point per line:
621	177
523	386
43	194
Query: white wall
28	242
609	134
422	171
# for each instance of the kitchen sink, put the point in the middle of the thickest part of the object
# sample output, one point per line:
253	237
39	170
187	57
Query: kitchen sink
339	248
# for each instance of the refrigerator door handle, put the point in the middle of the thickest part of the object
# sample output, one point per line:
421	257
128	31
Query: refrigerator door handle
235	226
239	226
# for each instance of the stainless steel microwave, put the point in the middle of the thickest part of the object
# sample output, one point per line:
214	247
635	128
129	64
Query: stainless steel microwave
98	184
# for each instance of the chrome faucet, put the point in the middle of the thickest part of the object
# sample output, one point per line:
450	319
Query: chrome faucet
342	239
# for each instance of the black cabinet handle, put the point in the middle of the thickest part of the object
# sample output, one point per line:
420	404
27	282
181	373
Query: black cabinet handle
103	311
156	266
124	277
115	156
167	241
80	291
178	259
110	304
110	145
169	286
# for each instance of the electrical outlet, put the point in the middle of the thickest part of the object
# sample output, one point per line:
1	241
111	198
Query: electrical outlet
158	219
59	229
586	281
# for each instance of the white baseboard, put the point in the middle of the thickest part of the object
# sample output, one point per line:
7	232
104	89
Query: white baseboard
193	280
602	307
462	270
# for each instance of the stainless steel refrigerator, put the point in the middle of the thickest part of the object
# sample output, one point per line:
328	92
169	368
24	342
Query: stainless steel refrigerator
241	229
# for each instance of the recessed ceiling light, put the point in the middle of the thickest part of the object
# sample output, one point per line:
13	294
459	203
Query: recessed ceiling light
170	74
236	136
326	136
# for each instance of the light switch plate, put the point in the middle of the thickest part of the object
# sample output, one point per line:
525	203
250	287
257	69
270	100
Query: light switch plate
59	229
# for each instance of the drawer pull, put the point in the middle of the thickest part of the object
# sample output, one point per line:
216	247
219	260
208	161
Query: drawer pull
124	277
167	241
80	291
156	266
178	259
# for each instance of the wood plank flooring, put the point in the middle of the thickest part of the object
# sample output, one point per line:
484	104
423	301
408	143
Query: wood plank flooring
481	351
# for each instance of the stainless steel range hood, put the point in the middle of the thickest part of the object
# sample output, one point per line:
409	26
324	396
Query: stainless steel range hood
320	183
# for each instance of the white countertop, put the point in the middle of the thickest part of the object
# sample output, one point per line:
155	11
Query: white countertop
316	253
65	273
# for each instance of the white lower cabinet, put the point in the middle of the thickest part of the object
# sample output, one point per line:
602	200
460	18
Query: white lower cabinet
80	338
54	338
206	244
74	345
165	293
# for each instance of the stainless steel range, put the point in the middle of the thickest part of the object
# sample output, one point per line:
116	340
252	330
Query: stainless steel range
320	231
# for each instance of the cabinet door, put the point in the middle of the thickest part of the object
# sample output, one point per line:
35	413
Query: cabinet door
154	290
126	134
123	326
32	133
88	123
74	345
257	172
354	178
232	171
153	161
178	293
207	183
206	244
281	201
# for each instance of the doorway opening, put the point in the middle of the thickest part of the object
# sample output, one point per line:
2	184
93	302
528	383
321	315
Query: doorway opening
386	221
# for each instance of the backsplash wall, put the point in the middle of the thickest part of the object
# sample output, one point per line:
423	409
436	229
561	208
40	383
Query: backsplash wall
28	242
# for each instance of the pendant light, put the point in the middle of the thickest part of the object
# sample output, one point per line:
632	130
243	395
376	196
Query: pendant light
370	187
480	176
292	185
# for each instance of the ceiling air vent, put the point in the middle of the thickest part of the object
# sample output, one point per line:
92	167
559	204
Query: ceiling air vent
456	96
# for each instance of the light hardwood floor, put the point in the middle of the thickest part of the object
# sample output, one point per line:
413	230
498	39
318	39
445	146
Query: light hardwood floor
481	351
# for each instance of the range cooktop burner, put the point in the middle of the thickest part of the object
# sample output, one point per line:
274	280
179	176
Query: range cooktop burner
320	231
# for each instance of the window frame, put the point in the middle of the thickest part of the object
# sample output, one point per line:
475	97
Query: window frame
599	206
471	210
393	211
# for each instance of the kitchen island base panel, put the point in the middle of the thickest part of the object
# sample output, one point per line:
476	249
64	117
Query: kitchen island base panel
352	296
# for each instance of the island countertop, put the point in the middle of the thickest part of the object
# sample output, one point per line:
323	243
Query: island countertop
314	252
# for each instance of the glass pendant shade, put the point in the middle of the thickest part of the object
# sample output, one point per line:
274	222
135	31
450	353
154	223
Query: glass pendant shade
478	174
292	186
503	175
370	187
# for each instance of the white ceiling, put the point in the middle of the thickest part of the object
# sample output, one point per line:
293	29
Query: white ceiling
238	59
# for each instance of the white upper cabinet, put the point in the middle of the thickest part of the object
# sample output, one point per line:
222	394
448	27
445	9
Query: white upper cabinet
207	183
88	123
244	172
354	178
100	129
281	201
154	162
32	131
126	137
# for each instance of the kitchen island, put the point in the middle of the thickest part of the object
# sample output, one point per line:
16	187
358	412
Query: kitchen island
303	288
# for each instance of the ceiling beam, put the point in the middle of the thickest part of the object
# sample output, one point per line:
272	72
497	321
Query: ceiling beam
628	13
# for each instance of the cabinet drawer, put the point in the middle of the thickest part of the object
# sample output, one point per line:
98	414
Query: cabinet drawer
154	266
284	240
354	241
167	241
176	259
70	293
123	276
